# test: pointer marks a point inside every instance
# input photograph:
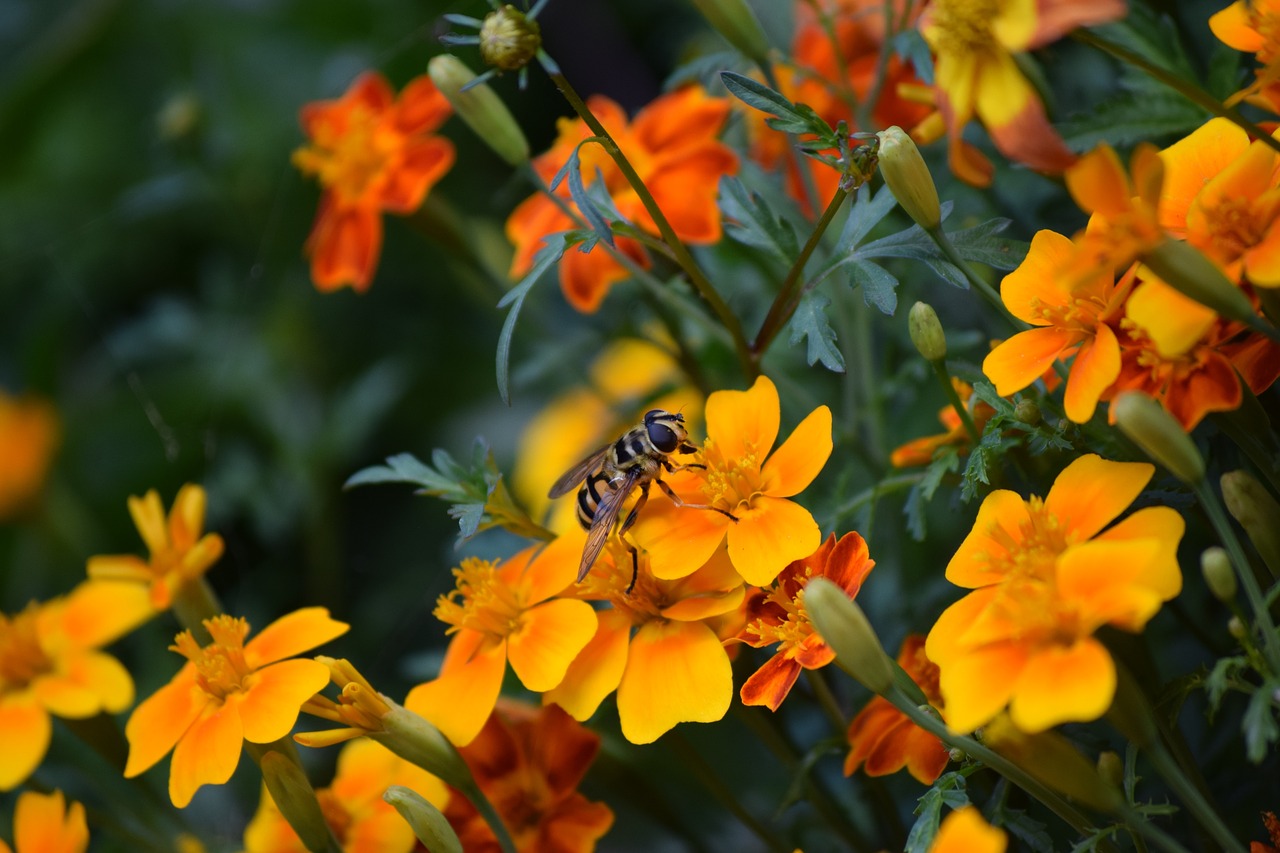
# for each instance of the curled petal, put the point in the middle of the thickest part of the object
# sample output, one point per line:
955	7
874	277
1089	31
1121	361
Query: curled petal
208	753
771	683
1099	184
1016	120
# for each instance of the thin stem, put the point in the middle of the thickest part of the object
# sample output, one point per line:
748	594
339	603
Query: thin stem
985	290
944	377
1191	796
826	699
797	160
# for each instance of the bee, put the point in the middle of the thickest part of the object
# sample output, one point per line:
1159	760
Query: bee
610	474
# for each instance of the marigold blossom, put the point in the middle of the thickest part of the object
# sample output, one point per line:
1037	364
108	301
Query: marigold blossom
47	823
500	613
229	691
1046	576
1272	824
741	477
672	145
51	664
965	831
777	614
180	553
1249	26
920	451
29	434
1124	222
883	740
371	151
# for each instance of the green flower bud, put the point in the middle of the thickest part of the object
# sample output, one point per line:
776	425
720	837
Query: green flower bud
509	39
1258	513
428	824
844	627
1159	435
296	800
1027	412
1053	760
734	20
908	178
926	332
1185	268
1236	628
1215	565
480	107
414	739
1111	769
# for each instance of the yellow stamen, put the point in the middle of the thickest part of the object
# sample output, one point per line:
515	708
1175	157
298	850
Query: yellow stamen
963	26
482	602
730	484
21	657
348	162
220	666
794	629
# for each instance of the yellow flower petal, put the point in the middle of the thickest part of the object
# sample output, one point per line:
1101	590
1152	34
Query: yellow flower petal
1175	323
1100	579
1024	358
679	540
25	730
771	534
743	423
90	683
964	831
1002	91
270	705
292	634
1036	281
161	719
43	823
942	645
554	568
677	672
1094	370
460	700
597	669
1092	491
977	685
208	753
999	523
1190	162
96	612
186	516
1063	684
793	466
550	636
148	517
1165	527
1099	184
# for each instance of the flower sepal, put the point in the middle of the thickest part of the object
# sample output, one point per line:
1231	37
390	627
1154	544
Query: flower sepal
844	627
294	796
428	823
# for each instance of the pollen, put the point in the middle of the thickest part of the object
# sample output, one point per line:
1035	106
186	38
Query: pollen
482	602
792	629
1032	552
221	668
1082	313
348	160
730	484
21	657
964	26
1234	226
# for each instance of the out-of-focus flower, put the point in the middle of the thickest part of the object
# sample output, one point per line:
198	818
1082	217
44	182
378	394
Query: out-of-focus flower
1249	27
965	831
658	646
1045	576
741	477
976	74
882	740
352	805
47	823
920	451
1124	223
500	613
179	551
371	151
229	691
673	146
777	615
1272	824
528	762
51	664
29	435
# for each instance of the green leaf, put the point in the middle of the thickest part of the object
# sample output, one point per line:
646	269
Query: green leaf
867	212
403	468
1154	37
1031	832
982	244
752	222
546	258
911	46
799	119
587	204
810	321
1133	117
1219	679
879	286
949	790
1260	729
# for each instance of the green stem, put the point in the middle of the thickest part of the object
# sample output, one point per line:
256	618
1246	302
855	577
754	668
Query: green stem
944	377
826	699
194	602
985	290
1191	796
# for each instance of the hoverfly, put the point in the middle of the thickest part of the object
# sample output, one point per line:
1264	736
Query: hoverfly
610	474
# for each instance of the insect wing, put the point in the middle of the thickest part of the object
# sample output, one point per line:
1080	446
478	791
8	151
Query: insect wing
575	475
603	520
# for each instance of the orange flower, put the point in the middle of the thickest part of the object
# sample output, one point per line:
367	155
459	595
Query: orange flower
882	740
228	692
51	665
504	613
28	438
658	646
1249	26
777	615
672	145
975	71
352	805
43	823
964	831
742	477
1124	223
920	451
179	553
1045	576
371	151
528	762
1272	824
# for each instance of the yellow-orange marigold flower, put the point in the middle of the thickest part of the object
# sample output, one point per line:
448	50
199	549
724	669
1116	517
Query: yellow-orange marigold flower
180	552
920	451
229	691
29	435
882	740
1124	221
777	615
352	805
47	823
672	145
371	151
529	761
503	613
1250	27
1045	576
965	831
51	664
741	477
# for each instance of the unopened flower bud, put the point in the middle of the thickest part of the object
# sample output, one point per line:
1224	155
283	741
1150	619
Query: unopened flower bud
509	39
908	177
414	739
844	627
734	20
1258	513
1111	769
1185	268
480	107
926	332
296	799
428	824
956	754
1159	435
1051	758
1215	565
1027	412
1235	627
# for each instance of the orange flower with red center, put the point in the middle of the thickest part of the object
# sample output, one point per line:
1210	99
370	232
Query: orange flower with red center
28	438
672	145
228	692
503	613
973	43
180	552
529	762
371	151
1045	576
882	740
1253	26
46	823
777	615
920	451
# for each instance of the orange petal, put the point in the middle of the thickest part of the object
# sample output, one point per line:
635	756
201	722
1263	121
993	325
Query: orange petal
421	165
1165	527
119	567
88	684
1023	358
97	612
849	563
768	536
25	731
275	693
550	637
162	719
1099	580
771	683
585	278
1055	20
1000	521
1091	492
292	634
674	120
686	194
1191	162
186	516
208	753
148	516
459	702
676	672
597	669
964	831
1099	184
421	107
1015	118
1174	322
1037	282
1262	262
553	569
943	642
795	464
43	823
344	245
705	606
1094	369
1234	27
1063	684
744	423
979	683
679	540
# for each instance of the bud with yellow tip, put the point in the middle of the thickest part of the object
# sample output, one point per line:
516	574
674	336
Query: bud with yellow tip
1159	435
908	178
480	107
1215	565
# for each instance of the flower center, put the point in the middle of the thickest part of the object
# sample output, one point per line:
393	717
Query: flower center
789	626
350	160
1235	227
21	657
482	601
1080	314
963	26
730	484
220	666
1267	24
1031	554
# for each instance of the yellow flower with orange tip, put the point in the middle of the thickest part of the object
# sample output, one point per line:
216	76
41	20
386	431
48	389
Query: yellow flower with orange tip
976	74
777	615
1249	26
1046	575
744	478
529	762
965	831
180	552
51	664
500	613
920	451
352	805
1124	222
47	823
28	437
882	740
657	646
229	691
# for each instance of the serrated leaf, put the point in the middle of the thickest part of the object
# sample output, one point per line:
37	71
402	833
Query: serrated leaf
949	790
1259	724
911	46
867	212
1131	118
1154	38
546	258
1030	831
752	222
879	286
983	244
1218	681
469	516
913	509
810	323
402	468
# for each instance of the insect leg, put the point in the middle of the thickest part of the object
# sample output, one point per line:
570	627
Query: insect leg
635	510
635	565
678	501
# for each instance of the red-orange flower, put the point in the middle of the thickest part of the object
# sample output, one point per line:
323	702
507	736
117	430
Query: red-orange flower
28	437
882	740
1249	26
371	151
673	146
1272	823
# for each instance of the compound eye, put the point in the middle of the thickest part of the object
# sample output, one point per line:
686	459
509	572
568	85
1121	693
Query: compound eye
663	437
